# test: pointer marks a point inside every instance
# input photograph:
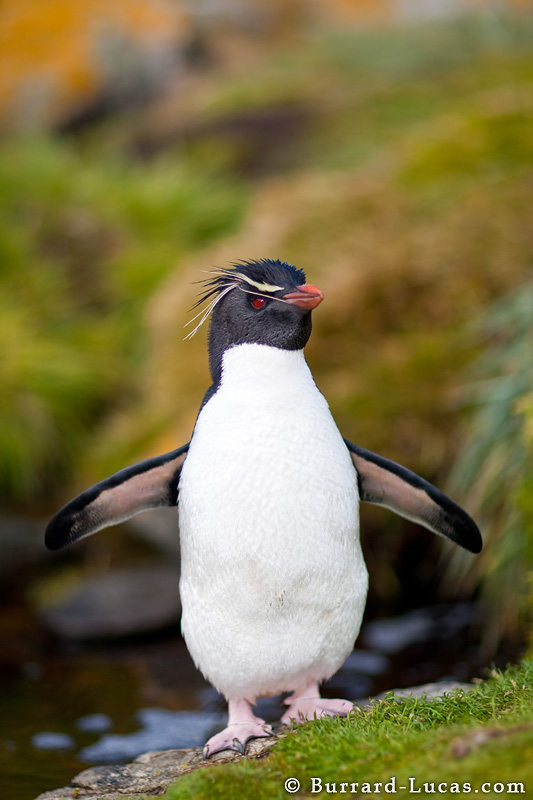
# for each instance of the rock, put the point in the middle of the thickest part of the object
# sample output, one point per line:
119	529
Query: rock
422	625
355	677
429	691
152	772
392	635
90	59
118	603
366	662
149	774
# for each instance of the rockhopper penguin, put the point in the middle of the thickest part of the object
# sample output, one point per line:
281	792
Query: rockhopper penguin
273	581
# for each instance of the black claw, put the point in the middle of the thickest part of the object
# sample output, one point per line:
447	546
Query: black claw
238	746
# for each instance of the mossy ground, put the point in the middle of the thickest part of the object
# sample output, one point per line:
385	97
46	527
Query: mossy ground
482	736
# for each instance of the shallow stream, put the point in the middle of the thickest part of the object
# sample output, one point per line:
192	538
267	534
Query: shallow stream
65	706
73	692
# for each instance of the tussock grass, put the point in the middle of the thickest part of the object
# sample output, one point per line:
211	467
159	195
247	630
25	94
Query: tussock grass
84	240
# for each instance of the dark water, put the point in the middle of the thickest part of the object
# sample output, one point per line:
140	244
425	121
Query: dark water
150	692
48	688
54	688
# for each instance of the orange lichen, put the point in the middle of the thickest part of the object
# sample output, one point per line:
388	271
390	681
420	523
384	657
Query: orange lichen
52	50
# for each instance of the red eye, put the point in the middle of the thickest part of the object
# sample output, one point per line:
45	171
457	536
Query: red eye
258	302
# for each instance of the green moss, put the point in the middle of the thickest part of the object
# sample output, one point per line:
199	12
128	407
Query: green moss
483	735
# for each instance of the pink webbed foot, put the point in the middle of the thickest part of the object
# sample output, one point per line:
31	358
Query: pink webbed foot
307	704
243	725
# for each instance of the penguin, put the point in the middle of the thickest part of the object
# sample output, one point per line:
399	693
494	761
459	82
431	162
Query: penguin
273	580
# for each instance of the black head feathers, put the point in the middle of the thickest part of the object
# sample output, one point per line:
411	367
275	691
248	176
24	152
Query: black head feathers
265	276
263	302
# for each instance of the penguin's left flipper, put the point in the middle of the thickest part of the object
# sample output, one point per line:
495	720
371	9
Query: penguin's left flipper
385	483
150	484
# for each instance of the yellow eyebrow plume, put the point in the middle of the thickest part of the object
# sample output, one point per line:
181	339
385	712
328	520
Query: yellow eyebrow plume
262	287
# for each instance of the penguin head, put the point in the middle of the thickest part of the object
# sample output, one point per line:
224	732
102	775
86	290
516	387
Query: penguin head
261	302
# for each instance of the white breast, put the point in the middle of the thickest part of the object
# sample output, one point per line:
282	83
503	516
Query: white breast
273	580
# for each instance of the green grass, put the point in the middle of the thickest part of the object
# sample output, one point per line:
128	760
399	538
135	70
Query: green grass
85	239
483	735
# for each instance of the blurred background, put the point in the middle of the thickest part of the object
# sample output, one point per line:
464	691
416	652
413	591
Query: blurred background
385	147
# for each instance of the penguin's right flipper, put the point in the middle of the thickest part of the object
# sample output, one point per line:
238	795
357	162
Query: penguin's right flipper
385	483
150	484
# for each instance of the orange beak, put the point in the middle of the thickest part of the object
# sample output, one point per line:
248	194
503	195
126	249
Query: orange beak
307	297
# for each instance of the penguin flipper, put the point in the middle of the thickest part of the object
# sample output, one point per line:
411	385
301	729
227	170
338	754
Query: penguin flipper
149	484
385	483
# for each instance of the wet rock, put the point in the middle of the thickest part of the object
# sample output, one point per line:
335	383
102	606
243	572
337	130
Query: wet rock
429	691
149	774
366	662
152	772
419	626
355	677
118	603
392	635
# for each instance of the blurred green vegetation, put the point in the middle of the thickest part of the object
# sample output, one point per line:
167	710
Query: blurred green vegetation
85	239
403	186
494	467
